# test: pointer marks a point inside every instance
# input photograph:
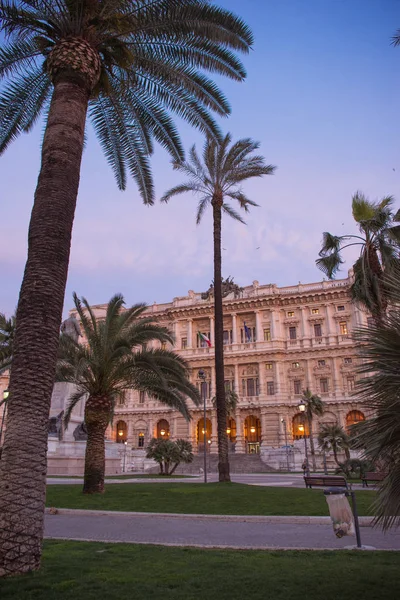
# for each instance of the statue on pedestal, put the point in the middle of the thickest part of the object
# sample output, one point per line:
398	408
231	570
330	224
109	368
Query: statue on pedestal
71	328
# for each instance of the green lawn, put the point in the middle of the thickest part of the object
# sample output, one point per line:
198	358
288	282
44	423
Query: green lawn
125	476
93	571
214	498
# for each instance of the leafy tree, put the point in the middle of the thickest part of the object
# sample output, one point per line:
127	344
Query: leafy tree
216	179
127	64
313	406
231	400
7	332
114	358
333	437
169	455
378	438
379	242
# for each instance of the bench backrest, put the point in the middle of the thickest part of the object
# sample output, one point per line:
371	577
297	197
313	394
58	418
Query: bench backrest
325	480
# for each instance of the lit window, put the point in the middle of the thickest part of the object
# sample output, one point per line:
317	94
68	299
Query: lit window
324	386
321	363
163	345
343	328
183	343
295	365
347	360
315	311
270	388
297	386
141	440
317	330
290	313
267	335
268	366
292	333
340	308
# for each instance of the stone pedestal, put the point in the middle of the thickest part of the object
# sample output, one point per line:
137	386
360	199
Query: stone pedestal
68	458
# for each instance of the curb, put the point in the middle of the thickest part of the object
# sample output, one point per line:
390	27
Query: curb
289	520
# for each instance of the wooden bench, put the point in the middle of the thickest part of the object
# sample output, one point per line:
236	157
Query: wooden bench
325	481
372	476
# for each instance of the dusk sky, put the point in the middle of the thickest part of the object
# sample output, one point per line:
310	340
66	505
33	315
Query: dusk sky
323	98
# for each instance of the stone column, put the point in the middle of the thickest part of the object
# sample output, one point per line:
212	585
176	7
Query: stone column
309	377
234	331
237	382
212	330
261	378
214	433
190	333
240	446
336	378
259	337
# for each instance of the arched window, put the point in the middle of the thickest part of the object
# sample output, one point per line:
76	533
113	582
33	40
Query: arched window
121	432
163	429
299	427
354	416
200	430
252	434
231	430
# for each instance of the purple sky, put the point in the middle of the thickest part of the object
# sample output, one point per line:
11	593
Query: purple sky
322	96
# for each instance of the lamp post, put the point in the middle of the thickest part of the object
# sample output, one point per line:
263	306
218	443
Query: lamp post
202	377
3	403
124	465
286	444
302	409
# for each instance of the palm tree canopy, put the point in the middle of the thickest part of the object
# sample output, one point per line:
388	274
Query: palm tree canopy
333	437
143	60
221	172
379	436
7	332
313	403
114	358
379	243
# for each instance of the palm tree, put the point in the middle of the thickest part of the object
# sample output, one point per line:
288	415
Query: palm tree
7	332
333	437
379	242
128	64
215	180
313	406
114	358
378	438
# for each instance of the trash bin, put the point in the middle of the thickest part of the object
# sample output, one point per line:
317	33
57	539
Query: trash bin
344	519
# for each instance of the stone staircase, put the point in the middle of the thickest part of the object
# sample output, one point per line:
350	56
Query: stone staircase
239	463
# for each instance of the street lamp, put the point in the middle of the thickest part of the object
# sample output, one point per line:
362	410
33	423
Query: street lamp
302	409
286	444
6	393
125	445
202	377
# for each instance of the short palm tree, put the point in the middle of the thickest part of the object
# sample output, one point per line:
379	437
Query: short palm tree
112	359
333	437
378	438
7	332
127	64
313	406
379	243
217	179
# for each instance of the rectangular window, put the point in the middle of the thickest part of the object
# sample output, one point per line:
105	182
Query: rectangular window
324	386
268	366
183	343
251	389
321	363
141	440
121	398
297	386
317	330
315	311
228	385
267	335
250	336
340	308
227	337
202	343
347	360
290	313
343	328
350	384
142	397
295	365
292	333
163	345
270	388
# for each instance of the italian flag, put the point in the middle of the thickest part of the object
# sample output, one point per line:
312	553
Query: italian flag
203	337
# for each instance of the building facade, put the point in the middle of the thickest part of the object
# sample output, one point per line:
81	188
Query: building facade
277	342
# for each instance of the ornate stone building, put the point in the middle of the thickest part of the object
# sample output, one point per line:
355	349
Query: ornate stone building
278	341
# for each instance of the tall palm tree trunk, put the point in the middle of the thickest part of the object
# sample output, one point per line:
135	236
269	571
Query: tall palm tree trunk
23	462
312	446
97	417
381	303
223	457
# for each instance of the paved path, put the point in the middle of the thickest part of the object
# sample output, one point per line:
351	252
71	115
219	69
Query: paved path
208	532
